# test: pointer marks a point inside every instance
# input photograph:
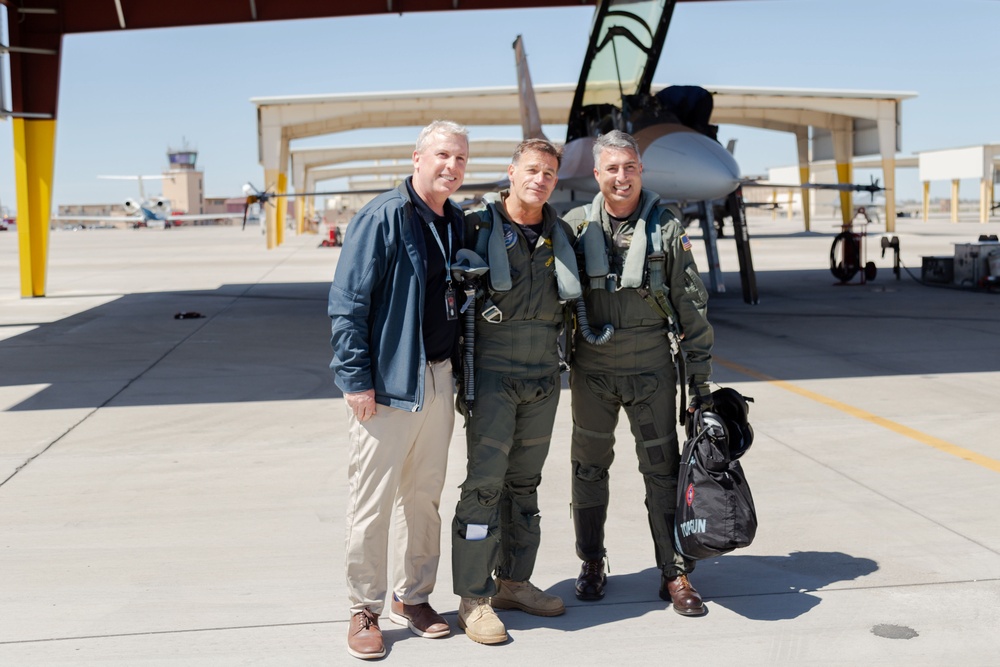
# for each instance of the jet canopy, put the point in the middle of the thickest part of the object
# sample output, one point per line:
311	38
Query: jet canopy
625	44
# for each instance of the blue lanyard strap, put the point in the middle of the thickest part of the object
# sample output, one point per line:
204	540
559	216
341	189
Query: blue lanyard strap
447	255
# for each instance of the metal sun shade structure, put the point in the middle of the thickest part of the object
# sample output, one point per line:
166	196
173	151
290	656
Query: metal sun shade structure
835	125
35	34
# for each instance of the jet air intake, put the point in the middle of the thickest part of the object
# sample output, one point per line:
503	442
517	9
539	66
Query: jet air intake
684	165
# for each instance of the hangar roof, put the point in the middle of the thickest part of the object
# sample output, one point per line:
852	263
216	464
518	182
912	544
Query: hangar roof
285	118
102	15
36	27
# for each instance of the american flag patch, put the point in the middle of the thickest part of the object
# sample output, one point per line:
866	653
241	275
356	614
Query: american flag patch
686	242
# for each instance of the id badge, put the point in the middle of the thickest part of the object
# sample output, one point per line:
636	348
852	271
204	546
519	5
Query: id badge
450	304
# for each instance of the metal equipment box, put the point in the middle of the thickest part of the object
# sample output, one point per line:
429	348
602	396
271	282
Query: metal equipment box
972	262
938	270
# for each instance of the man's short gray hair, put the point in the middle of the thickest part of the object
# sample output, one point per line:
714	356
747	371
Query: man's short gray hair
445	127
615	140
538	145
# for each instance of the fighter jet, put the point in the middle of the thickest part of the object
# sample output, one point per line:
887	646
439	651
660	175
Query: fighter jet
682	159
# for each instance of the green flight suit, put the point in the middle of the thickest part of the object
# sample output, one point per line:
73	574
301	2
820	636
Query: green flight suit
635	371
516	393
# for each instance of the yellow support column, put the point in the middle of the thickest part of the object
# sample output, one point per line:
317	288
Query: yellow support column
954	200
791	202
845	175
34	165
312	215
888	114
889	174
984	201
806	213
993	198
843	152
802	147
300	215
774	200
281	208
927	200
270	211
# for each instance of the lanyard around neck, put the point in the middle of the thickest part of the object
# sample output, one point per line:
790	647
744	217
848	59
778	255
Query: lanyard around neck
447	255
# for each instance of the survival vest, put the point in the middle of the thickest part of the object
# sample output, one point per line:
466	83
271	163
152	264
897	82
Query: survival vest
644	270
490	245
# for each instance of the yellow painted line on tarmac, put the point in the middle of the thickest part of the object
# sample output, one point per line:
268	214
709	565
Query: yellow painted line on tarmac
923	438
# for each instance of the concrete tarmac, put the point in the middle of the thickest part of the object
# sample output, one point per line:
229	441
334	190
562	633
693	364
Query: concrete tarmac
172	490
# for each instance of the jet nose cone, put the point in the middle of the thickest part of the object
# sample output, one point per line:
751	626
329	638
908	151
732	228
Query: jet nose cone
688	166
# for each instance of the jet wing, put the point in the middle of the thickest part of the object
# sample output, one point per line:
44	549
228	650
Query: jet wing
96	218
204	216
870	188
263	197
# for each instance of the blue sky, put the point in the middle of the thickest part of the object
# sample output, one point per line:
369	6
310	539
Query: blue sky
126	96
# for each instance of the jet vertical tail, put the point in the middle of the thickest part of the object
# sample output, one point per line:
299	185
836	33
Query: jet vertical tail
531	119
139	178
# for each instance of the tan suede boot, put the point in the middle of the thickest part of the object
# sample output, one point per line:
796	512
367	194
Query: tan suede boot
525	596
480	622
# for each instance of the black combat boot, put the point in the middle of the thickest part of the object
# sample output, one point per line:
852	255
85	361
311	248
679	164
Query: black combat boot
590	583
589	525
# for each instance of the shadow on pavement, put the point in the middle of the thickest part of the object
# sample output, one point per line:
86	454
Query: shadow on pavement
251	343
762	588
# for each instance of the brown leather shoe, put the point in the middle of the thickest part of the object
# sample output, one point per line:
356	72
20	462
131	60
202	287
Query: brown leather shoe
679	590
364	639
590	583
421	618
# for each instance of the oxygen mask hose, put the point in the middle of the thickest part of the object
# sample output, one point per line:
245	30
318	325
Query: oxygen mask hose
584	325
470	341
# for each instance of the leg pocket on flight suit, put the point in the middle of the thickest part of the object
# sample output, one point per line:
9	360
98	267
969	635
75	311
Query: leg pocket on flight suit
525	517
480	506
601	389
533	391
640	409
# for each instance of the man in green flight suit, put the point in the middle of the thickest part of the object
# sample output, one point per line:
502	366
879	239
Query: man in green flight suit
643	281
533	274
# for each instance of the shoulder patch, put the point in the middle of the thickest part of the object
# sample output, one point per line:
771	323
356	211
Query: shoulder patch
509	236
686	242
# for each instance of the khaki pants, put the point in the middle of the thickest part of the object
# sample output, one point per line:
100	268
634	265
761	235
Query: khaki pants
396	469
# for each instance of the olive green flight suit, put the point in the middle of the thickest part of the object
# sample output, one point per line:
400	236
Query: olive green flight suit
634	371
516	393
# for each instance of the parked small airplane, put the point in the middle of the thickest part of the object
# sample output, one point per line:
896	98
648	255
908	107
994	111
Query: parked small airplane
147	212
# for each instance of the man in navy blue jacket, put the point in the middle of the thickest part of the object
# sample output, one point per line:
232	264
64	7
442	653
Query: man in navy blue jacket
395	328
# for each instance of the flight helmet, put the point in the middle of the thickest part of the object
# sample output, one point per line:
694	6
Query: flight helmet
725	423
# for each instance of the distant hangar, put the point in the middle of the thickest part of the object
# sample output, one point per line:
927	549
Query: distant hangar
827	124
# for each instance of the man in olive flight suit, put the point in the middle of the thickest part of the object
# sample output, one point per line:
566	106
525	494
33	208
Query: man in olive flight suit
532	274
637	281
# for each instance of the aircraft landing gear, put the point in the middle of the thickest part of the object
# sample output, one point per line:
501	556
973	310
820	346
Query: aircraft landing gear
849	251
748	277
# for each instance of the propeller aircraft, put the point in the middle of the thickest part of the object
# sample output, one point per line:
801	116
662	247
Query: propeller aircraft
152	212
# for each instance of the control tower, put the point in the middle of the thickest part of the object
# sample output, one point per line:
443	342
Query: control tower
183	184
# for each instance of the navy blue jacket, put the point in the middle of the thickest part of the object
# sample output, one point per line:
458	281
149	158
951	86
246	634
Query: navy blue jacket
377	302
